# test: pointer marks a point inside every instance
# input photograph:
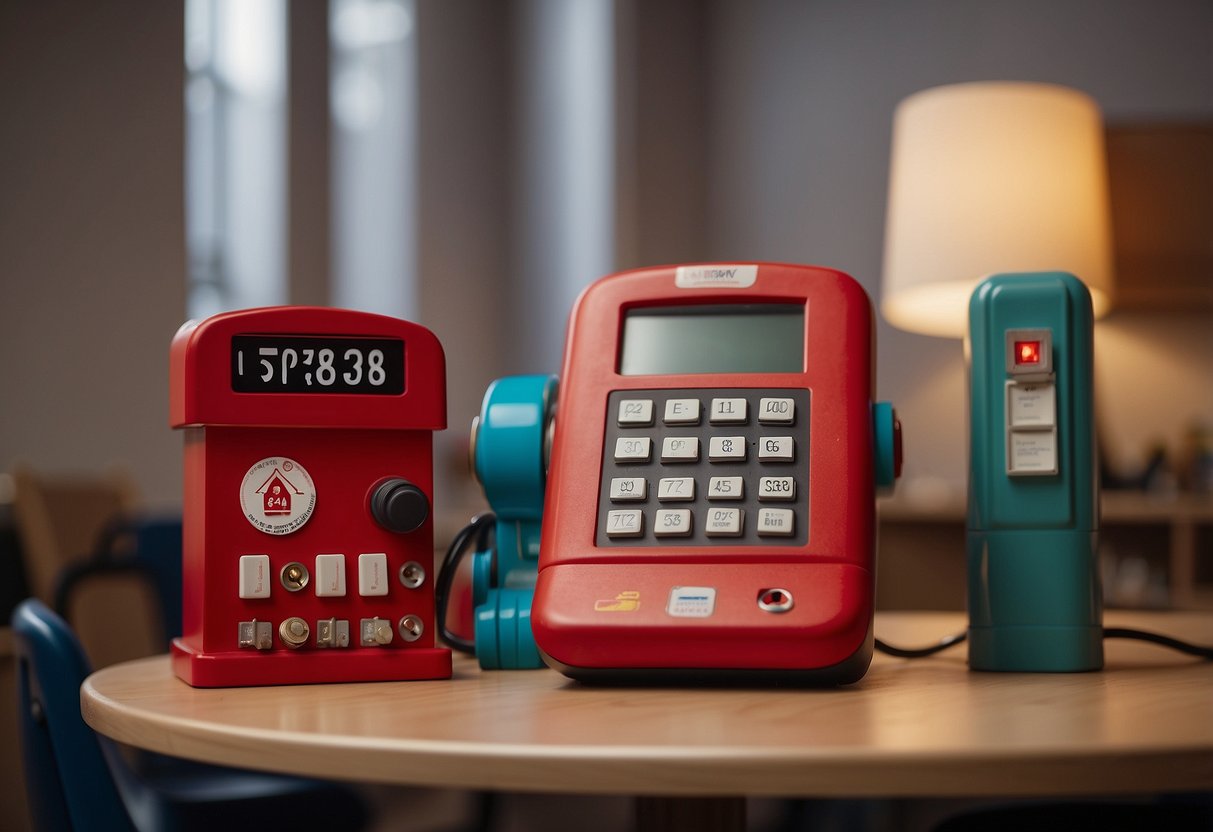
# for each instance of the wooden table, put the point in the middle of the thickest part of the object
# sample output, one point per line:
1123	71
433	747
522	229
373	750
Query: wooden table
910	728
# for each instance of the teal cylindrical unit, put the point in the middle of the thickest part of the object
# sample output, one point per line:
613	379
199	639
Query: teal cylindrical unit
1033	574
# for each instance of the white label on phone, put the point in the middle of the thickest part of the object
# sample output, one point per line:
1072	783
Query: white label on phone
695	277
691	601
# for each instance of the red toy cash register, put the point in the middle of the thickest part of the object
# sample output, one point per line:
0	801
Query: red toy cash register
308	550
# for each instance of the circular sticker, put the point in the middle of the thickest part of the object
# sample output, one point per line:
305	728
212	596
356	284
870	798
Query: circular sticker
277	495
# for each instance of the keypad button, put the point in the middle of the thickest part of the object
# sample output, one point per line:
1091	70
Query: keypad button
777	488
672	522
681	412
776	411
633	449
635	412
629	489
776	522
724	522
680	449
727	449
728	412
776	449
673	489
625	523
726	488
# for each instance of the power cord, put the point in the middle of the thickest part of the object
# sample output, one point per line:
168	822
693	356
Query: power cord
1190	649
479	531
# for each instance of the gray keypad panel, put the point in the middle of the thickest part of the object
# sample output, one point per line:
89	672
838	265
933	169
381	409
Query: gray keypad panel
736	459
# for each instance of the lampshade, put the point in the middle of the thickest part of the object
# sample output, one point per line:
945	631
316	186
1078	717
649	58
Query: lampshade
992	177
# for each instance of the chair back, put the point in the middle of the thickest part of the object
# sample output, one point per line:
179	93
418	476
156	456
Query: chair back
147	548
58	518
68	779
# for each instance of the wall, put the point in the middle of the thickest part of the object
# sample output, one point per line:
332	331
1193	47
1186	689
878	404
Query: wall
800	116
746	130
92	255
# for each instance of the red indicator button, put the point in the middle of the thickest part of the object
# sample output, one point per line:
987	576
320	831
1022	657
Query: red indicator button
1027	352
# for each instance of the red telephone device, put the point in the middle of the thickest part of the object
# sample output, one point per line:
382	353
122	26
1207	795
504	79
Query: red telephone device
308	532
710	498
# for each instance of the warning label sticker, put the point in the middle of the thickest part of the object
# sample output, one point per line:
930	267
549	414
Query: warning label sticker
277	495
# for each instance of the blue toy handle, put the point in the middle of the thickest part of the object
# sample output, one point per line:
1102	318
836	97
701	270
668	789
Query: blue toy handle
510	440
886	446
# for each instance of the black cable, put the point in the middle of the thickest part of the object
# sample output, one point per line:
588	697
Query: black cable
479	530
921	652
1205	653
1108	632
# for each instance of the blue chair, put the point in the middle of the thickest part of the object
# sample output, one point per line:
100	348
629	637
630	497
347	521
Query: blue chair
77	780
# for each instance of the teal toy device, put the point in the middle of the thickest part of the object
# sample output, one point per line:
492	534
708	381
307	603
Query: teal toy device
510	440
1033	574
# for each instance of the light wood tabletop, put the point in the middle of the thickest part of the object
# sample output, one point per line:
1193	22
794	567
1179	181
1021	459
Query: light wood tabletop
910	727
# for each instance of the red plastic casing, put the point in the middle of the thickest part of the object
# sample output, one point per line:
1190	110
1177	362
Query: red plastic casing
347	443
831	577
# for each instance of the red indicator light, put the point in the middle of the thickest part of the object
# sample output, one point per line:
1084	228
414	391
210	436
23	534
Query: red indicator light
1027	352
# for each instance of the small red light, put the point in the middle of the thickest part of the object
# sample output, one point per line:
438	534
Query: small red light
1027	352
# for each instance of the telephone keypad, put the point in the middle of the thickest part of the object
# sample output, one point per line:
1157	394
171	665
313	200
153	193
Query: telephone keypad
710	467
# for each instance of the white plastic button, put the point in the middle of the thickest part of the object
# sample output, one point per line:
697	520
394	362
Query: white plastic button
628	489
625	523
726	488
776	448
680	449
778	522
1032	405
723	522
681	412
633	449
372	574
728	412
722	448
776	411
672	522
254	576
676	488
635	412
330	576
1033	452
777	488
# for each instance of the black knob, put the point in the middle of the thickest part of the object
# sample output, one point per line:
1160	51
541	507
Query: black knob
399	506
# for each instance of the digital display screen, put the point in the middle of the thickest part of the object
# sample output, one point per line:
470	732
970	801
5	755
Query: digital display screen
317	364
739	338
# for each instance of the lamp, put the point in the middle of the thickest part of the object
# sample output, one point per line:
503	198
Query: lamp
992	177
